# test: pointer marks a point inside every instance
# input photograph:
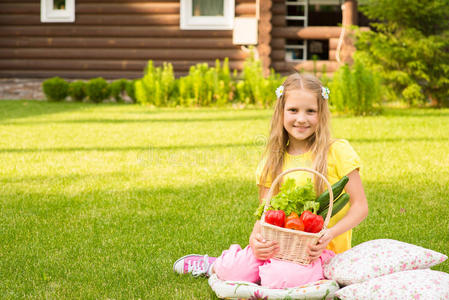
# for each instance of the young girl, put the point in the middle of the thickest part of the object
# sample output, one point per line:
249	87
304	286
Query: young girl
299	137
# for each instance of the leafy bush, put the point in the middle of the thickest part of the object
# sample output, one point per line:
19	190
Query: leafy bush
409	48
157	85
131	90
118	87
355	90
97	89
55	89
253	88
77	90
205	86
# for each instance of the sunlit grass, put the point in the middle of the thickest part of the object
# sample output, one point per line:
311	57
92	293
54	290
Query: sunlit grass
97	201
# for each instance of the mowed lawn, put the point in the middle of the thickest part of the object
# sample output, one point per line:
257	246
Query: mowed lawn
98	201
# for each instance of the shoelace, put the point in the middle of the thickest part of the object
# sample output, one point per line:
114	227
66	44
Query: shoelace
196	268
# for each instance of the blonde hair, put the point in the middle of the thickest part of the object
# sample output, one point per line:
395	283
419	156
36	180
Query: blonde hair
318	143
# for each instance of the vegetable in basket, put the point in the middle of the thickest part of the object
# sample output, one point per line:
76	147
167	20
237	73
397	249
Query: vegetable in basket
312	223
293	222
338	205
337	189
292	198
275	217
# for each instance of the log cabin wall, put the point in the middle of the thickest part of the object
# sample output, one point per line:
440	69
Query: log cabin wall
112	39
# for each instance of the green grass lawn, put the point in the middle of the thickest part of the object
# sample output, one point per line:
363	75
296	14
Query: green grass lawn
98	201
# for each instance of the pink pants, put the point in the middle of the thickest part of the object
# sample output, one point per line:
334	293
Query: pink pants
239	264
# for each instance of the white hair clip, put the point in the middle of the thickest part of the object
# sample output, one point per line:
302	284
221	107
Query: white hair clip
279	91
325	92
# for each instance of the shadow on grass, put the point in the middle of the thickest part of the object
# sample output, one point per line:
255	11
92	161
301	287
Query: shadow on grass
416	112
400	139
256	143
130	148
129	121
17	109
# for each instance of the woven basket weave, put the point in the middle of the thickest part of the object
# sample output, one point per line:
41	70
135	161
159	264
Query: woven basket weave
293	244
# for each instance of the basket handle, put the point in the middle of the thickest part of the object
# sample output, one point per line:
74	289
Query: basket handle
279	177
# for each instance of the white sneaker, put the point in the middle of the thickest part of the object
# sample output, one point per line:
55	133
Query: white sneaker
195	264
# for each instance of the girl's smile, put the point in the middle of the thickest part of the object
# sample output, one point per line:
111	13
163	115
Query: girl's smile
300	118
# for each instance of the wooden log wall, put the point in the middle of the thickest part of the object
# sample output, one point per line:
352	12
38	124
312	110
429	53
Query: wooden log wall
112	39
264	32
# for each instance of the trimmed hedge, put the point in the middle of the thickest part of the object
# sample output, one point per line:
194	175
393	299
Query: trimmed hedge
77	90
55	89
97	90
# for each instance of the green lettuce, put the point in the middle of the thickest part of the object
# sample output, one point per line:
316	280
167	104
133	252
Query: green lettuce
292	198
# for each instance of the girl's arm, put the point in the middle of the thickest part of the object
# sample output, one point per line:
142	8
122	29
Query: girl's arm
262	249
356	214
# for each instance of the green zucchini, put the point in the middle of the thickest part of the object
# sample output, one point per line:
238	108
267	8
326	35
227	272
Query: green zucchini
337	188
338	205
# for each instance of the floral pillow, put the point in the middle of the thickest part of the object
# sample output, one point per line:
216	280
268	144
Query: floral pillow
414	284
377	258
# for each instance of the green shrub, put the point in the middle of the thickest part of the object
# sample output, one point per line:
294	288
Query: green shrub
55	89
157	85
97	90
131	90
206	85
118	87
355	90
409	48
253	87
77	90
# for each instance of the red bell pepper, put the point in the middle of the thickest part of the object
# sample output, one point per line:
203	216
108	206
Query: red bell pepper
312	222
275	217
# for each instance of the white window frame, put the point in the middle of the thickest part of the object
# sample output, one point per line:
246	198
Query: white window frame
189	22
50	15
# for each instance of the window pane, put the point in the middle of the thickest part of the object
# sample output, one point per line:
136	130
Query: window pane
207	8
59	4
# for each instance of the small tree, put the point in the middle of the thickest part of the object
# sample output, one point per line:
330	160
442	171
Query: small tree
409	48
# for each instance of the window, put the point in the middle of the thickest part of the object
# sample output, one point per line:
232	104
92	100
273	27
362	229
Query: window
57	10
297	16
207	14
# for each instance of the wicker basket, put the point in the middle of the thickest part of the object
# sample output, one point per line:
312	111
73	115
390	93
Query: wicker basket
293	244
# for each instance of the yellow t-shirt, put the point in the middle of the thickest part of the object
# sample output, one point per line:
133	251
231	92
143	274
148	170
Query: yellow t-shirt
341	160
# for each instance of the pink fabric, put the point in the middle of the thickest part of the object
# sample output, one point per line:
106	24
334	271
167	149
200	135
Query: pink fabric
239	264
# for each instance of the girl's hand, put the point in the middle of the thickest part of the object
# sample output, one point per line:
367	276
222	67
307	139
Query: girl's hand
263	249
316	250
